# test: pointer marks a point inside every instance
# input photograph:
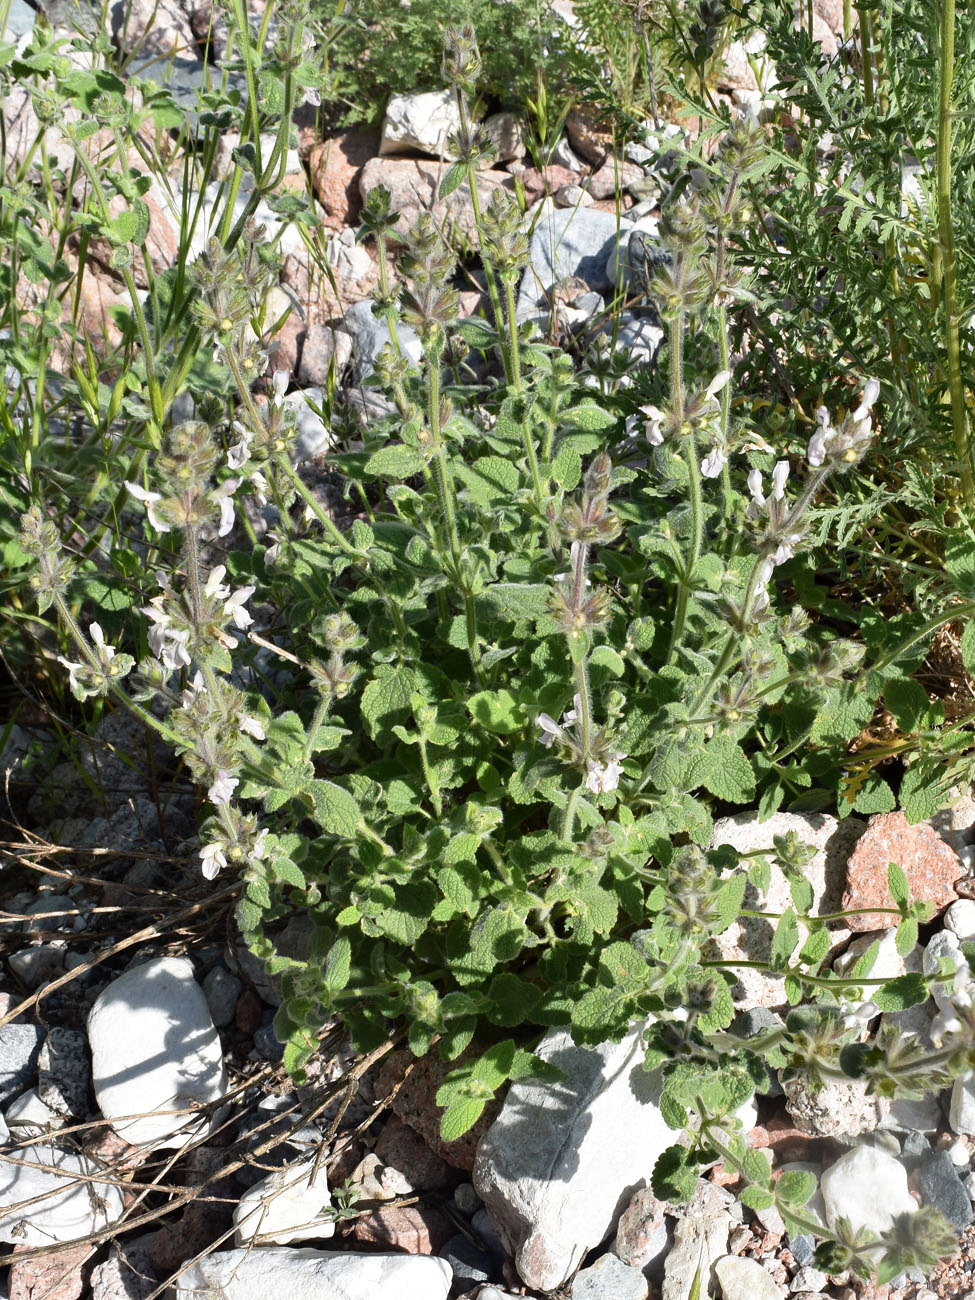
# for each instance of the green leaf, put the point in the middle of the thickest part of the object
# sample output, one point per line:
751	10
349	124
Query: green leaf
453	178
727	902
725	771
461	1116
675	1175
491	480
478	333
497	711
968	646
567	467
796	1186
588	417
959	556
919	795
905	940
605	656
396	462
756	1198
908	702
513	999
898	886
784	940
387	698
338	965
900	993
336	811
130	226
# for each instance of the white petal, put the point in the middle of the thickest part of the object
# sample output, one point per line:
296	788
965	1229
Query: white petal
755	486
717	383
779	476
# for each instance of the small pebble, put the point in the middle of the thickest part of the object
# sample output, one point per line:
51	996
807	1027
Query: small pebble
466	1198
803	1248
959	1154
941	1188
609	1279
809	1279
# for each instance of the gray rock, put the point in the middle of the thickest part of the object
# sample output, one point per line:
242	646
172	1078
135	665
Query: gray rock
187	79
53	1196
542	1168
314	436
868	1187
572	196
485	1229
322	345
267	1042
507	134
468	1264
809	1279
913	1114
609	1279
745	1279
639	249
639	336
941	1187
803	1248
313	1275
39	965
566	242
156	1056
840	1108
961	1111
699	1241
221	990
419	123
915	1151
64	1073
54	912
641	1234
466	1198
370	335
563	156
956	823
127	1274
29	1117
20	1046
20	20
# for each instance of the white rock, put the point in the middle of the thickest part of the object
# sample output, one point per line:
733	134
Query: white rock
561	1161
745	1279
751	937
699	1241
313	1275
868	1187
888	964
961	1110
29	1117
959	1154
507	134
55	1201
956	823
287	1206
419	123
960	919
155	1053
370	335
566	242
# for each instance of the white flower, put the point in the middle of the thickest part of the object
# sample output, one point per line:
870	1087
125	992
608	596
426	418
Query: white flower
779	476
717	383
234	607
257	848
651	426
105	653
279	385
213	858
714	462
603	777
238	453
251	727
755	488
223	496
871	392
149	499
571	715
73	671
166	642
550	729
222	790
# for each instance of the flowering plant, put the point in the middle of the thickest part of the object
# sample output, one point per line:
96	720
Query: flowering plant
552	628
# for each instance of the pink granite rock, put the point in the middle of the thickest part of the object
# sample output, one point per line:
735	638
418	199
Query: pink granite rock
931	867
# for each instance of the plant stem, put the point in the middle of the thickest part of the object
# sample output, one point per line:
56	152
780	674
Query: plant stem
944	255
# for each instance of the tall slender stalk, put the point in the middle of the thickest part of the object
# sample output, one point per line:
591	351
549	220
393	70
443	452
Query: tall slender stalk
944	259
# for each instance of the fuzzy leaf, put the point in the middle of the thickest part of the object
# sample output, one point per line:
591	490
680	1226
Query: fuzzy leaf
396	462
900	993
387	698
453	178
497	711
338	965
336	811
